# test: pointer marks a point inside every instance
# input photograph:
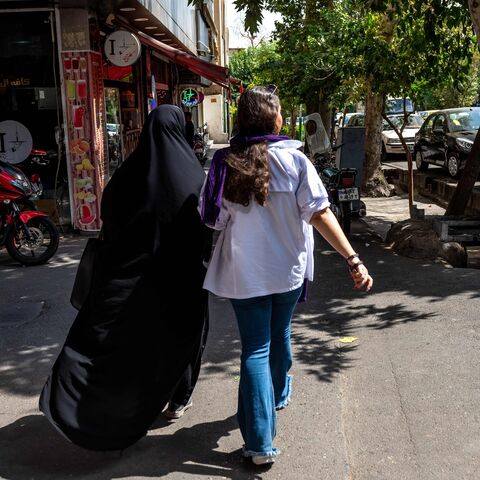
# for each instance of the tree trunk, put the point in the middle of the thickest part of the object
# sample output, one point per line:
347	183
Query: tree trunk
293	122
463	192
374	183
325	112
474	8
311	104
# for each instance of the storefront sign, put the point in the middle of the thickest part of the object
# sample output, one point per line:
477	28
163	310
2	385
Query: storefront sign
122	48
191	98
15	141
14	82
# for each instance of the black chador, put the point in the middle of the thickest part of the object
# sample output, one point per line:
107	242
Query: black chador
144	322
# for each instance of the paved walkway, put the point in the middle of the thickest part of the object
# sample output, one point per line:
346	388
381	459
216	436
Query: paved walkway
386	384
383	211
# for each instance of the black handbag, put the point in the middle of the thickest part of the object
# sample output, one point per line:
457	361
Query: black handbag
83	279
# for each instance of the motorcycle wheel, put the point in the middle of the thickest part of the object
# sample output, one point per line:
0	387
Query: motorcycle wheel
346	218
41	249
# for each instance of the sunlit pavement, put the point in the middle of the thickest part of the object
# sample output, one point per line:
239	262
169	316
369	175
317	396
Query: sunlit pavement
385	384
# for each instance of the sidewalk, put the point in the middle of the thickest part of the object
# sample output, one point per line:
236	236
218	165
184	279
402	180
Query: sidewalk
399	402
383	211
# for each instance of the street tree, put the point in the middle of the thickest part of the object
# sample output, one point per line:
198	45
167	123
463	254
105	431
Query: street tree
454	93
459	16
397	47
261	65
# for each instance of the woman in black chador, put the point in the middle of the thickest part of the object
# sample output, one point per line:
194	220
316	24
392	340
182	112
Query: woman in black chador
137	340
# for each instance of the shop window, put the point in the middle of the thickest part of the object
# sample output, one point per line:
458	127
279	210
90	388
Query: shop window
29	87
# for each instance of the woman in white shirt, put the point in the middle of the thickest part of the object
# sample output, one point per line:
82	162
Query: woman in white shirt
264	195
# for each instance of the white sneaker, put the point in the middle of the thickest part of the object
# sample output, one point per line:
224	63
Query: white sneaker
174	414
263	459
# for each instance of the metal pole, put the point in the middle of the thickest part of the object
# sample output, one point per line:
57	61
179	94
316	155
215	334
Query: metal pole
64	112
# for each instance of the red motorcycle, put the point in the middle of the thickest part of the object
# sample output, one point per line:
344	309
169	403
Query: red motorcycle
29	236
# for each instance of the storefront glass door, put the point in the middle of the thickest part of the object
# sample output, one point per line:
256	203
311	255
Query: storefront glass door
113	129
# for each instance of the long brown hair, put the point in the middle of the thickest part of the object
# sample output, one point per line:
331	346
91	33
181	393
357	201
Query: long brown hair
247	165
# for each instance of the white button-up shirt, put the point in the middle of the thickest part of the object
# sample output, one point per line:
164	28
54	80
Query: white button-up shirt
269	249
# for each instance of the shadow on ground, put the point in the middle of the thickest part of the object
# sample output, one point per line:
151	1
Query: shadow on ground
188	450
405	291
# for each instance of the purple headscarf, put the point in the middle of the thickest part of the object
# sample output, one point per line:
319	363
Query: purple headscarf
213	191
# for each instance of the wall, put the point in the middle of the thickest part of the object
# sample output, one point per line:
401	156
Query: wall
178	17
213	114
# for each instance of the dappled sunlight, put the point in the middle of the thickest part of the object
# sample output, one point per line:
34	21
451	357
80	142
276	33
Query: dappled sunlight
23	371
405	291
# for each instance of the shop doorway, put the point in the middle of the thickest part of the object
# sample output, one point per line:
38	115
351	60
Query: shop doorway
29	95
114	129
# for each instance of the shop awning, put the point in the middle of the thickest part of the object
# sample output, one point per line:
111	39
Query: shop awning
215	73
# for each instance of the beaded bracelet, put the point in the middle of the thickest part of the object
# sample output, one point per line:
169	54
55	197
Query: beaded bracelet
354	266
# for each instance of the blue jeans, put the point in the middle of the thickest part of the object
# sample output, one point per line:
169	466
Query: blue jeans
264	325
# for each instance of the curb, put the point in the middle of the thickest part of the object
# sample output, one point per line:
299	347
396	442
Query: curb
439	190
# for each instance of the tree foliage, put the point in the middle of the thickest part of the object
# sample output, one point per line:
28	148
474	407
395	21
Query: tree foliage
421	49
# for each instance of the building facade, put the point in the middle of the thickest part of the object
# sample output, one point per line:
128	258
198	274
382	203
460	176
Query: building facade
82	76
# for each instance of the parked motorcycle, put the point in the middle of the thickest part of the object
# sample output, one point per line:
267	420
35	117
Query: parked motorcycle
43	163
342	192
200	144
340	185
29	236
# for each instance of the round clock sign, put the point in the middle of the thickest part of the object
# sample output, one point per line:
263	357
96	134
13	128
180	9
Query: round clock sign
122	48
15	141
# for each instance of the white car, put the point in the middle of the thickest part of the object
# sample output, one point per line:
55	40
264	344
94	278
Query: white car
391	142
339	122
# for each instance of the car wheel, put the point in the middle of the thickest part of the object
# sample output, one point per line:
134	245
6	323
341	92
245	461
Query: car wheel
453	165
421	165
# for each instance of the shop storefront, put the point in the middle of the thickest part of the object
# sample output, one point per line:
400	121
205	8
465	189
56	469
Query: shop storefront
82	85
29	98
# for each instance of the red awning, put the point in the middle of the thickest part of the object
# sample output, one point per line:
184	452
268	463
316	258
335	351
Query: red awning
215	73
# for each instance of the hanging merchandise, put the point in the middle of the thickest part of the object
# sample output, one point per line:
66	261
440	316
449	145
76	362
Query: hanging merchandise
84	93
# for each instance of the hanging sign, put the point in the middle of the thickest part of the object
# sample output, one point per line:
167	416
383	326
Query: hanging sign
191	98
15	141
122	48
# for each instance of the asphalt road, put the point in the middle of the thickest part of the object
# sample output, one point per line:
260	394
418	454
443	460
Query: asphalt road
399	402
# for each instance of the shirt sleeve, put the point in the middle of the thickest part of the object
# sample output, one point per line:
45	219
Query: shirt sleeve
223	216
222	219
311	194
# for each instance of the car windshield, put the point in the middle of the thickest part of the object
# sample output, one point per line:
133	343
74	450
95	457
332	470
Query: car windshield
413	121
465	120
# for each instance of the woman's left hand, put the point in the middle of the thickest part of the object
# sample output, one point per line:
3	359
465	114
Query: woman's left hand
361	277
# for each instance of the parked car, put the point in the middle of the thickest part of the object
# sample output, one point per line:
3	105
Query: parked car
425	113
340	122
446	139
339	119
390	141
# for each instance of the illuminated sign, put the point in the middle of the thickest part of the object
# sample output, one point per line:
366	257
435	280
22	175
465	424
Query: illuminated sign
191	98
